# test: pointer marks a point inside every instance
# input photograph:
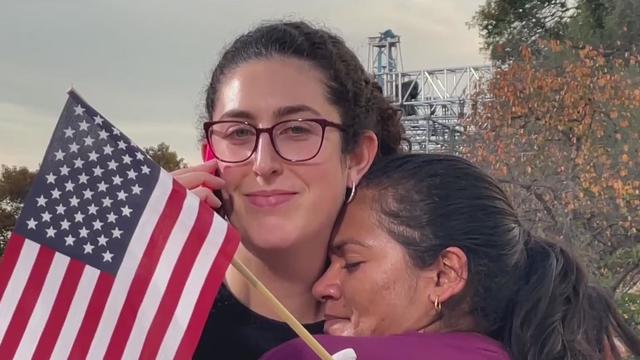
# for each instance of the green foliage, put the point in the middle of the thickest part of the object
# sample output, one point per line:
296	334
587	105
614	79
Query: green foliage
15	183
629	305
507	25
165	157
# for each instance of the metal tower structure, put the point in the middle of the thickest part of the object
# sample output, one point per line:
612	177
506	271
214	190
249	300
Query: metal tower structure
435	102
385	59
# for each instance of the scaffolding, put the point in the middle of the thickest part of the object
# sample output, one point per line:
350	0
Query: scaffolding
435	102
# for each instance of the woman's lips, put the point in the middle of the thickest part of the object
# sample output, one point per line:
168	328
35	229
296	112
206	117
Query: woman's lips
269	199
339	326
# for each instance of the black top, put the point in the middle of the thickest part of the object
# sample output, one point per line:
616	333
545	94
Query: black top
233	331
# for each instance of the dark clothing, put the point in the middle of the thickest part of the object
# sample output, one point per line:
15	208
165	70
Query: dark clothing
233	331
413	346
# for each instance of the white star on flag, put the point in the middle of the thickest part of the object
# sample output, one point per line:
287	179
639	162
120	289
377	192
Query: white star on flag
69	240
102	240
112	165
74	201
93	156
64	225
51	232
102	186
116	233
46	216
126	211
59	155
51	179
84	125
32	223
92	209
107	256
135	189
84	232
108	150
41	201
64	170
79	216
79	110
88	248
69	185
78	163
60	209
68	132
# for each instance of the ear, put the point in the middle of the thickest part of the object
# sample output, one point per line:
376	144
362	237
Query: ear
452	273
362	157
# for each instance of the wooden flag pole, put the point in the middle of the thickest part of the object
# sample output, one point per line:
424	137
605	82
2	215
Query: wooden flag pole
282	311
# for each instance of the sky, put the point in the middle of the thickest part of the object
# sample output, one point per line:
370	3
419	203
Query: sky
145	64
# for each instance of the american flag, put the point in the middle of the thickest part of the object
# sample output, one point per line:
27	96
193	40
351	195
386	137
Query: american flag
110	257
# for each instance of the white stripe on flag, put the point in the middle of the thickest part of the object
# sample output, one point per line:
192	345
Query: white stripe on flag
16	283
43	306
127	270
77	309
194	284
160	278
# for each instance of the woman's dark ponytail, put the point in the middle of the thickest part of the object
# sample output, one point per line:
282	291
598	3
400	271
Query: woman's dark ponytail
558	314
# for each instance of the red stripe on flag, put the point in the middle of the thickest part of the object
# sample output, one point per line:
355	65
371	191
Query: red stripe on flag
9	260
206	298
27	302
176	283
92	316
144	272
59	310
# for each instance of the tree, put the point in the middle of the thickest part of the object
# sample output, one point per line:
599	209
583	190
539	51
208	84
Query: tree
565	143
15	183
165	157
507	25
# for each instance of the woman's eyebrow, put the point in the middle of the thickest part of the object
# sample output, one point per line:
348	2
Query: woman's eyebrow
279	113
238	114
338	246
294	109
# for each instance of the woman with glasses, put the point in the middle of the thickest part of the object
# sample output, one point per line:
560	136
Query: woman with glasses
431	262
294	121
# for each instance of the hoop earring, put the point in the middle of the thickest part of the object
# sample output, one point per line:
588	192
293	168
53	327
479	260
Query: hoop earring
352	193
437	304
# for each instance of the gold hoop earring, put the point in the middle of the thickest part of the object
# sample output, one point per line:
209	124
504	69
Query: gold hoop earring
437	304
352	193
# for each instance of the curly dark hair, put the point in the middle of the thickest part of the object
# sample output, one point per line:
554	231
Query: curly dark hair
351	89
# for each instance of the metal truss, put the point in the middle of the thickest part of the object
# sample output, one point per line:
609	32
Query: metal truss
435	102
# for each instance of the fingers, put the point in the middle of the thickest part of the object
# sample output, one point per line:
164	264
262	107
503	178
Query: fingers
201	181
209	167
193	180
207	196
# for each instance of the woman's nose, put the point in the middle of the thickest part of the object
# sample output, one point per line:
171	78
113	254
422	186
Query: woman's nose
328	286
266	161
